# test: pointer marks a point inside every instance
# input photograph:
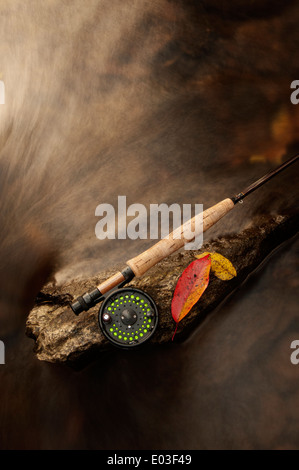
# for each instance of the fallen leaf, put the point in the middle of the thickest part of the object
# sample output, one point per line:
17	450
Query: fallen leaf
220	266
190	287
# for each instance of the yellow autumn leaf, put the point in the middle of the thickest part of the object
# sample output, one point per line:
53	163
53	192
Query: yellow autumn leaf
220	266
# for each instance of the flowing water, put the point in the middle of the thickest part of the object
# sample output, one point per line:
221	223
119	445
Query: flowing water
162	101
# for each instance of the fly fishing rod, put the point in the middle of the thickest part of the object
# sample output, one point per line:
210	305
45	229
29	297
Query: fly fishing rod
128	316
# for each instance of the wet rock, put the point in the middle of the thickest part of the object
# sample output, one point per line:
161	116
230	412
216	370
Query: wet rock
62	337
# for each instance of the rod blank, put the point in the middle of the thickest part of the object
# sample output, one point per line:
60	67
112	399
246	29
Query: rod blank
257	184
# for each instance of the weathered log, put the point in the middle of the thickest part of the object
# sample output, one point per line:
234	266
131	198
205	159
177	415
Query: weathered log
62	337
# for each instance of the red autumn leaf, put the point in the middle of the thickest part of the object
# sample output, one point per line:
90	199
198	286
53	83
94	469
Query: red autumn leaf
190	287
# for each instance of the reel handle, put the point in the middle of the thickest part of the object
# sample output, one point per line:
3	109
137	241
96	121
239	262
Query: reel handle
176	239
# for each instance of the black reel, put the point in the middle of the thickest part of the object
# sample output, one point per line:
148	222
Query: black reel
128	317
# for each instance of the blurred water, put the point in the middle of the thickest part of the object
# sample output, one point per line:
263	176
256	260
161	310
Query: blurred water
162	101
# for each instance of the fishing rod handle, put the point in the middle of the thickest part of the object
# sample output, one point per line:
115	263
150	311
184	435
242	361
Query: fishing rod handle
176	239
142	263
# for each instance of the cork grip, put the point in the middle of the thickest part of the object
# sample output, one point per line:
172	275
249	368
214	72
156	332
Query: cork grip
176	239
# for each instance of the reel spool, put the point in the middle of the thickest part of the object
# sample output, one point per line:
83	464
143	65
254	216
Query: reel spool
128	317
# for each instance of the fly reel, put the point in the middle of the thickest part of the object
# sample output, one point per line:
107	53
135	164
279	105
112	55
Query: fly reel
128	317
